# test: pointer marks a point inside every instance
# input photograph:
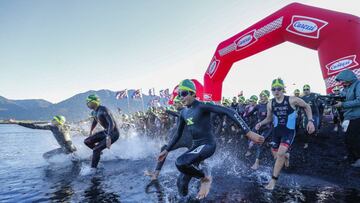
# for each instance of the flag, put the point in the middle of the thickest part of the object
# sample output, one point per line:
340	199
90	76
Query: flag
167	92
137	94
152	92
122	94
162	93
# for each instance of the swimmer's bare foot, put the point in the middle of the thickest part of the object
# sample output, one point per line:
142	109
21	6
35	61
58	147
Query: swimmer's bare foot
271	184
287	160
256	165
204	187
153	175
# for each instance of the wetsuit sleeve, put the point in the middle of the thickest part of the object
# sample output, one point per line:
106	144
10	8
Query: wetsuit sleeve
93	125
35	126
173	113
175	139
356	101
233	115
110	126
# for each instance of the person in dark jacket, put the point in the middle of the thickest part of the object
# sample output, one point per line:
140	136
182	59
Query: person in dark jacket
351	107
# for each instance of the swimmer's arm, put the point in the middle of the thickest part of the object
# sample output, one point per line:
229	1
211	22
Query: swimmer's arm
110	122
34	126
232	114
181	125
301	103
93	125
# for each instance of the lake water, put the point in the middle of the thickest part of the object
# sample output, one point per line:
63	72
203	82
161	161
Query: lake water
26	177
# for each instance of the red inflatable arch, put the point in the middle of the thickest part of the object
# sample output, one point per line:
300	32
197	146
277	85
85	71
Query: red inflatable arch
199	91
335	35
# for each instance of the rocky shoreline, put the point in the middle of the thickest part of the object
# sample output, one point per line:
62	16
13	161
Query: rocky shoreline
323	159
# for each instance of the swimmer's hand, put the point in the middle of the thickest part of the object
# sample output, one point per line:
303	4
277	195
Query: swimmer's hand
258	139
310	127
258	126
162	155
108	142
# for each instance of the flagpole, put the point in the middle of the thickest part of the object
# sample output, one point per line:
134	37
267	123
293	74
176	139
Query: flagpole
143	107
142	100
128	100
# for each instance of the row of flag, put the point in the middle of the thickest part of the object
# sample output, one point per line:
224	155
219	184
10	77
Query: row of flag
137	94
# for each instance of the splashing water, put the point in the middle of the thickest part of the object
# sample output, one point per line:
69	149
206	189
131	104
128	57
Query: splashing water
27	177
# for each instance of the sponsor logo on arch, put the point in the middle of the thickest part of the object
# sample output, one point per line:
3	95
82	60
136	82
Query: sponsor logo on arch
306	26
214	64
341	64
245	40
207	97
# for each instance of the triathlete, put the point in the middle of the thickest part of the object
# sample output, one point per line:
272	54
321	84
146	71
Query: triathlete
338	116
313	100
61	132
103	139
281	111
185	140
196	117
265	130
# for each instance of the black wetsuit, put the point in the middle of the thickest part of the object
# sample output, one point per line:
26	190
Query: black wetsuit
185	140
197	118
265	130
61	134
97	142
241	109
338	115
312	100
234	105
249	116
321	108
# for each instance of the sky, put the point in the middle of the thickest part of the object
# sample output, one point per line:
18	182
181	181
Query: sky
55	49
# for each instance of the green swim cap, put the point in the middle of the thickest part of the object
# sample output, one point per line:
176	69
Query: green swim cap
242	99
60	119
265	93
93	98
187	85
254	98
306	86
278	82
296	91
177	99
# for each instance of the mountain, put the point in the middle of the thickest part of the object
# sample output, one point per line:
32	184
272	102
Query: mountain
32	103
19	108
73	108
9	108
